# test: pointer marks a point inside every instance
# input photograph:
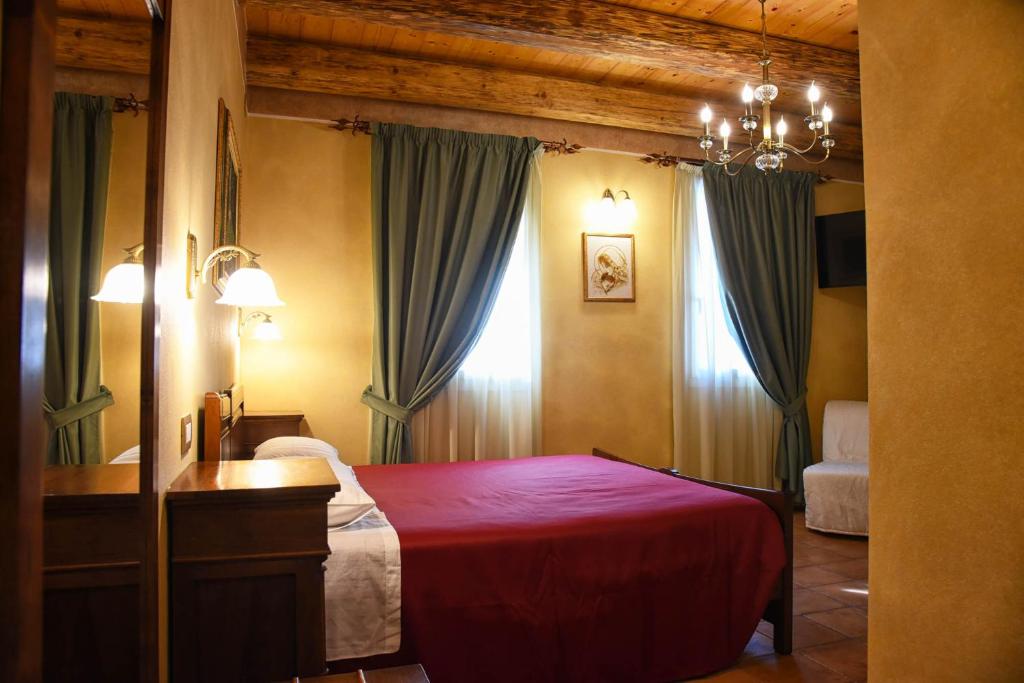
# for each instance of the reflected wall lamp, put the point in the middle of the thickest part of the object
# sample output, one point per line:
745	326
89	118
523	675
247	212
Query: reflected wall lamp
266	329
124	283
248	286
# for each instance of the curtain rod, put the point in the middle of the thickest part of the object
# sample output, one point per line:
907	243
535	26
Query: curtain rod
556	147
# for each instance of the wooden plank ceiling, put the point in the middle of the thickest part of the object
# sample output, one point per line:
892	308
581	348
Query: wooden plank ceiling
644	64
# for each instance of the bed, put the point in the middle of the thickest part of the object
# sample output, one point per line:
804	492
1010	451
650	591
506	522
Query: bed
580	568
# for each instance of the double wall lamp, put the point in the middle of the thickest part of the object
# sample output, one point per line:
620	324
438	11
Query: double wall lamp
616	210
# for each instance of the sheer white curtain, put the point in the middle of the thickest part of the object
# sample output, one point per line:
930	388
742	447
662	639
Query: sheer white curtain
491	409
724	424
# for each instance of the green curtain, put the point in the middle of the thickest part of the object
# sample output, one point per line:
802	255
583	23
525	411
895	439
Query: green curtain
82	132
446	209
762	226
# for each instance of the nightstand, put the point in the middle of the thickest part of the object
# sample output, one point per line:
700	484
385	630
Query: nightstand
248	540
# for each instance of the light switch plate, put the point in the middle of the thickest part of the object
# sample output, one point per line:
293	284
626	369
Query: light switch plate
186	435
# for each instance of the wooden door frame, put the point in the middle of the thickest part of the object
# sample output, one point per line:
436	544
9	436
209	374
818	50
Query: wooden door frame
26	113
149	406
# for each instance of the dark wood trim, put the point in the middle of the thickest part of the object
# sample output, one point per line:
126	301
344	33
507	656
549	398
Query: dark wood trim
779	611
26	111
149	408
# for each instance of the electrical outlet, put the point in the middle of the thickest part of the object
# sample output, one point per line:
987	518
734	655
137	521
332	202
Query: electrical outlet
186	435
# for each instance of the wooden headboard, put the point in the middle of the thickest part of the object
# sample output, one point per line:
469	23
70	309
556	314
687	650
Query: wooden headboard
222	411
231	433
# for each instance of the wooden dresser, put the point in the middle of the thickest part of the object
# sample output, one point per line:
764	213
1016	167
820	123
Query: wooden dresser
248	540
91	551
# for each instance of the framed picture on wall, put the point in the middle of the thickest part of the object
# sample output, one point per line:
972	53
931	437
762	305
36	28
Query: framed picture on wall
225	203
609	267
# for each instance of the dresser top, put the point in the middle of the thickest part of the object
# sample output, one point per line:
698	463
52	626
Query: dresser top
251	478
96	485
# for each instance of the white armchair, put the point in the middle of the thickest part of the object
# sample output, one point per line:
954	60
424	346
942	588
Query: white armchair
836	489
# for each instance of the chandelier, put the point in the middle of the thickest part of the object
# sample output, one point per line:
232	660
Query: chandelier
770	153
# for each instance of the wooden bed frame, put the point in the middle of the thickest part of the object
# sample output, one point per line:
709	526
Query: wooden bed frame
224	411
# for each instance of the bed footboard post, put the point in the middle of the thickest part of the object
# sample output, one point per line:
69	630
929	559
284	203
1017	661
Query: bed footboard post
780	610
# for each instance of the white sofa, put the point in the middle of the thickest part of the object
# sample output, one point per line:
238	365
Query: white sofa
836	489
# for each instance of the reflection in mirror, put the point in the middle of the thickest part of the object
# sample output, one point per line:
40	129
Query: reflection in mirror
92	528
92	348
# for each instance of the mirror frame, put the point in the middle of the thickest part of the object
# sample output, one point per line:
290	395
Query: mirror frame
27	56
27	72
149	379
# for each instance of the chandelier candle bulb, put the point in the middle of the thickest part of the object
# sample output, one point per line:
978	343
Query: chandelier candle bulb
781	128
826	116
705	117
813	94
724	130
748	98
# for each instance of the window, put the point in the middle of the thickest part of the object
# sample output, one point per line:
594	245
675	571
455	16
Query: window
504	349
718	352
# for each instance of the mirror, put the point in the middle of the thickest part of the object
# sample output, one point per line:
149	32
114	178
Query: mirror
96	578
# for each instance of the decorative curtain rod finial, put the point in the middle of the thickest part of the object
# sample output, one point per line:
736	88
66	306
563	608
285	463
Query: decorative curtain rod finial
130	103
562	146
356	126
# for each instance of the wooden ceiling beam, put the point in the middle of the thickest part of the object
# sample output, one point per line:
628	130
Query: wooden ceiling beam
292	65
103	44
598	29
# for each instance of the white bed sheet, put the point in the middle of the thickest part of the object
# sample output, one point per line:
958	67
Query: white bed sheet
363	589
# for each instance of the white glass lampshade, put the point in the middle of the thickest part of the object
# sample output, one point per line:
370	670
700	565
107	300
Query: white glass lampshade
626	210
123	284
267	331
250	287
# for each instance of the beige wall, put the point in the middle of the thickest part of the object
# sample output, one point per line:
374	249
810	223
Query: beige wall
198	341
606	366
946	332
307	210
120	324
838	369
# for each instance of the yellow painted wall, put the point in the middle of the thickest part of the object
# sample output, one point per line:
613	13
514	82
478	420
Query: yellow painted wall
838	368
120	324
307	210
946	333
198	341
606	366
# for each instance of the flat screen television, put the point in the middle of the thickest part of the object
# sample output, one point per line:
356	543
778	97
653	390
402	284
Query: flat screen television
842	255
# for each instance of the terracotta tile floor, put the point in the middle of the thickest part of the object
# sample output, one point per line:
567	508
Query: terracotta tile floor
830	601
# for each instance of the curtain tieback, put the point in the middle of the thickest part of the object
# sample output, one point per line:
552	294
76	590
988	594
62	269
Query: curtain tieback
57	419
389	408
792	409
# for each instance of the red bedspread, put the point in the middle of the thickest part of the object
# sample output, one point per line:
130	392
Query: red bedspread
574	568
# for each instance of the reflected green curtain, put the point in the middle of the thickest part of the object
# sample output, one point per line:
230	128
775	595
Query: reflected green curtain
82	133
446	209
762	226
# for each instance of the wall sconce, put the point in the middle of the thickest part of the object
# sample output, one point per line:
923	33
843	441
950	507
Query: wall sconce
266	328
618	213
125	282
248	286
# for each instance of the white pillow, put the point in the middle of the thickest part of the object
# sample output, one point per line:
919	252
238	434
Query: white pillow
129	456
293	446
